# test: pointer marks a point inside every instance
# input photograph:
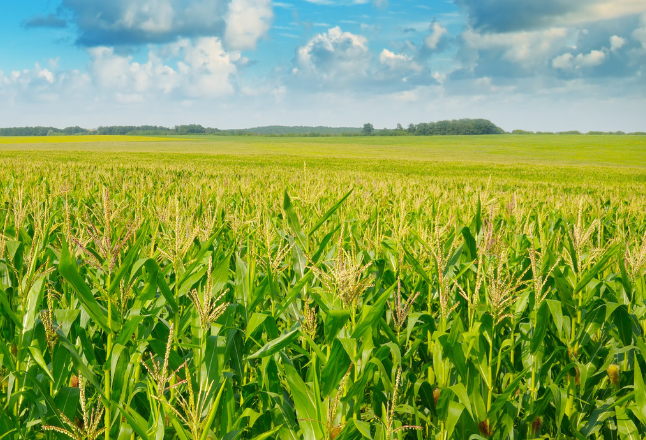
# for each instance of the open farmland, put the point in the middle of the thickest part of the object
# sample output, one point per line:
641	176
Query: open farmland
323	288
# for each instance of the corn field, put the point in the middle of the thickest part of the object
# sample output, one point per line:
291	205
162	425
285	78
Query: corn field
225	300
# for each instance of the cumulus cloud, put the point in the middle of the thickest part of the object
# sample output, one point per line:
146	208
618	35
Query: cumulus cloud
527	50
616	42
514	15
399	63
126	22
549	40
437	32
42	84
569	61
343	61
247	21
45	21
334	55
640	35
204	69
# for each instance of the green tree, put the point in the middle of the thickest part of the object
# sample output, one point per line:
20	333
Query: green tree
368	129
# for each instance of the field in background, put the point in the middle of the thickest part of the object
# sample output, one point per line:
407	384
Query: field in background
61	141
508	149
323	288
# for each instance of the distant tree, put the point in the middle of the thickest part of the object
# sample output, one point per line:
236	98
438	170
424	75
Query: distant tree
368	129
399	127
455	127
190	129
411	128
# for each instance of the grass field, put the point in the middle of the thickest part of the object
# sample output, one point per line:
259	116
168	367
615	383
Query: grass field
601	150
323	288
65	141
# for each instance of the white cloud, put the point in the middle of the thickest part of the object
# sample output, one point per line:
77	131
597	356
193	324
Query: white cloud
42	84
119	73
569	61
437	32
597	10
616	42
247	21
527	48
239	23
381	4
514	15
398	62
334	55
155	16
46	74
205	70
639	34
207	67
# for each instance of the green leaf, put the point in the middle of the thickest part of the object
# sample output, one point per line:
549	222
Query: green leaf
138	426
292	221
277	344
454	413
197	259
209	419
640	390
601	265
127	261
304	405
374	314
37	355
355	430
155	277
426	395
557	313
255	320
220	275
293	293
267	434
503	399
7	309
334	322
323	244
461	393
542	322
337	365
417	266
624	324
470	242
211	360
34	299
476	223
67	401
329	213
129	329
625	426
67	268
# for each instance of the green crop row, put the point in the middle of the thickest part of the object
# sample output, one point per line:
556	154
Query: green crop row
178	301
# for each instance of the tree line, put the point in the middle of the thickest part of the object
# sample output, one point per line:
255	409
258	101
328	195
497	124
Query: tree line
110	130
439	128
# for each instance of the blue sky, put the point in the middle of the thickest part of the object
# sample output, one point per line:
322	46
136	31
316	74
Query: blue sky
532	64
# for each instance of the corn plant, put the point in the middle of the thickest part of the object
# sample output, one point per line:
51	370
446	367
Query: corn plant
166	300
